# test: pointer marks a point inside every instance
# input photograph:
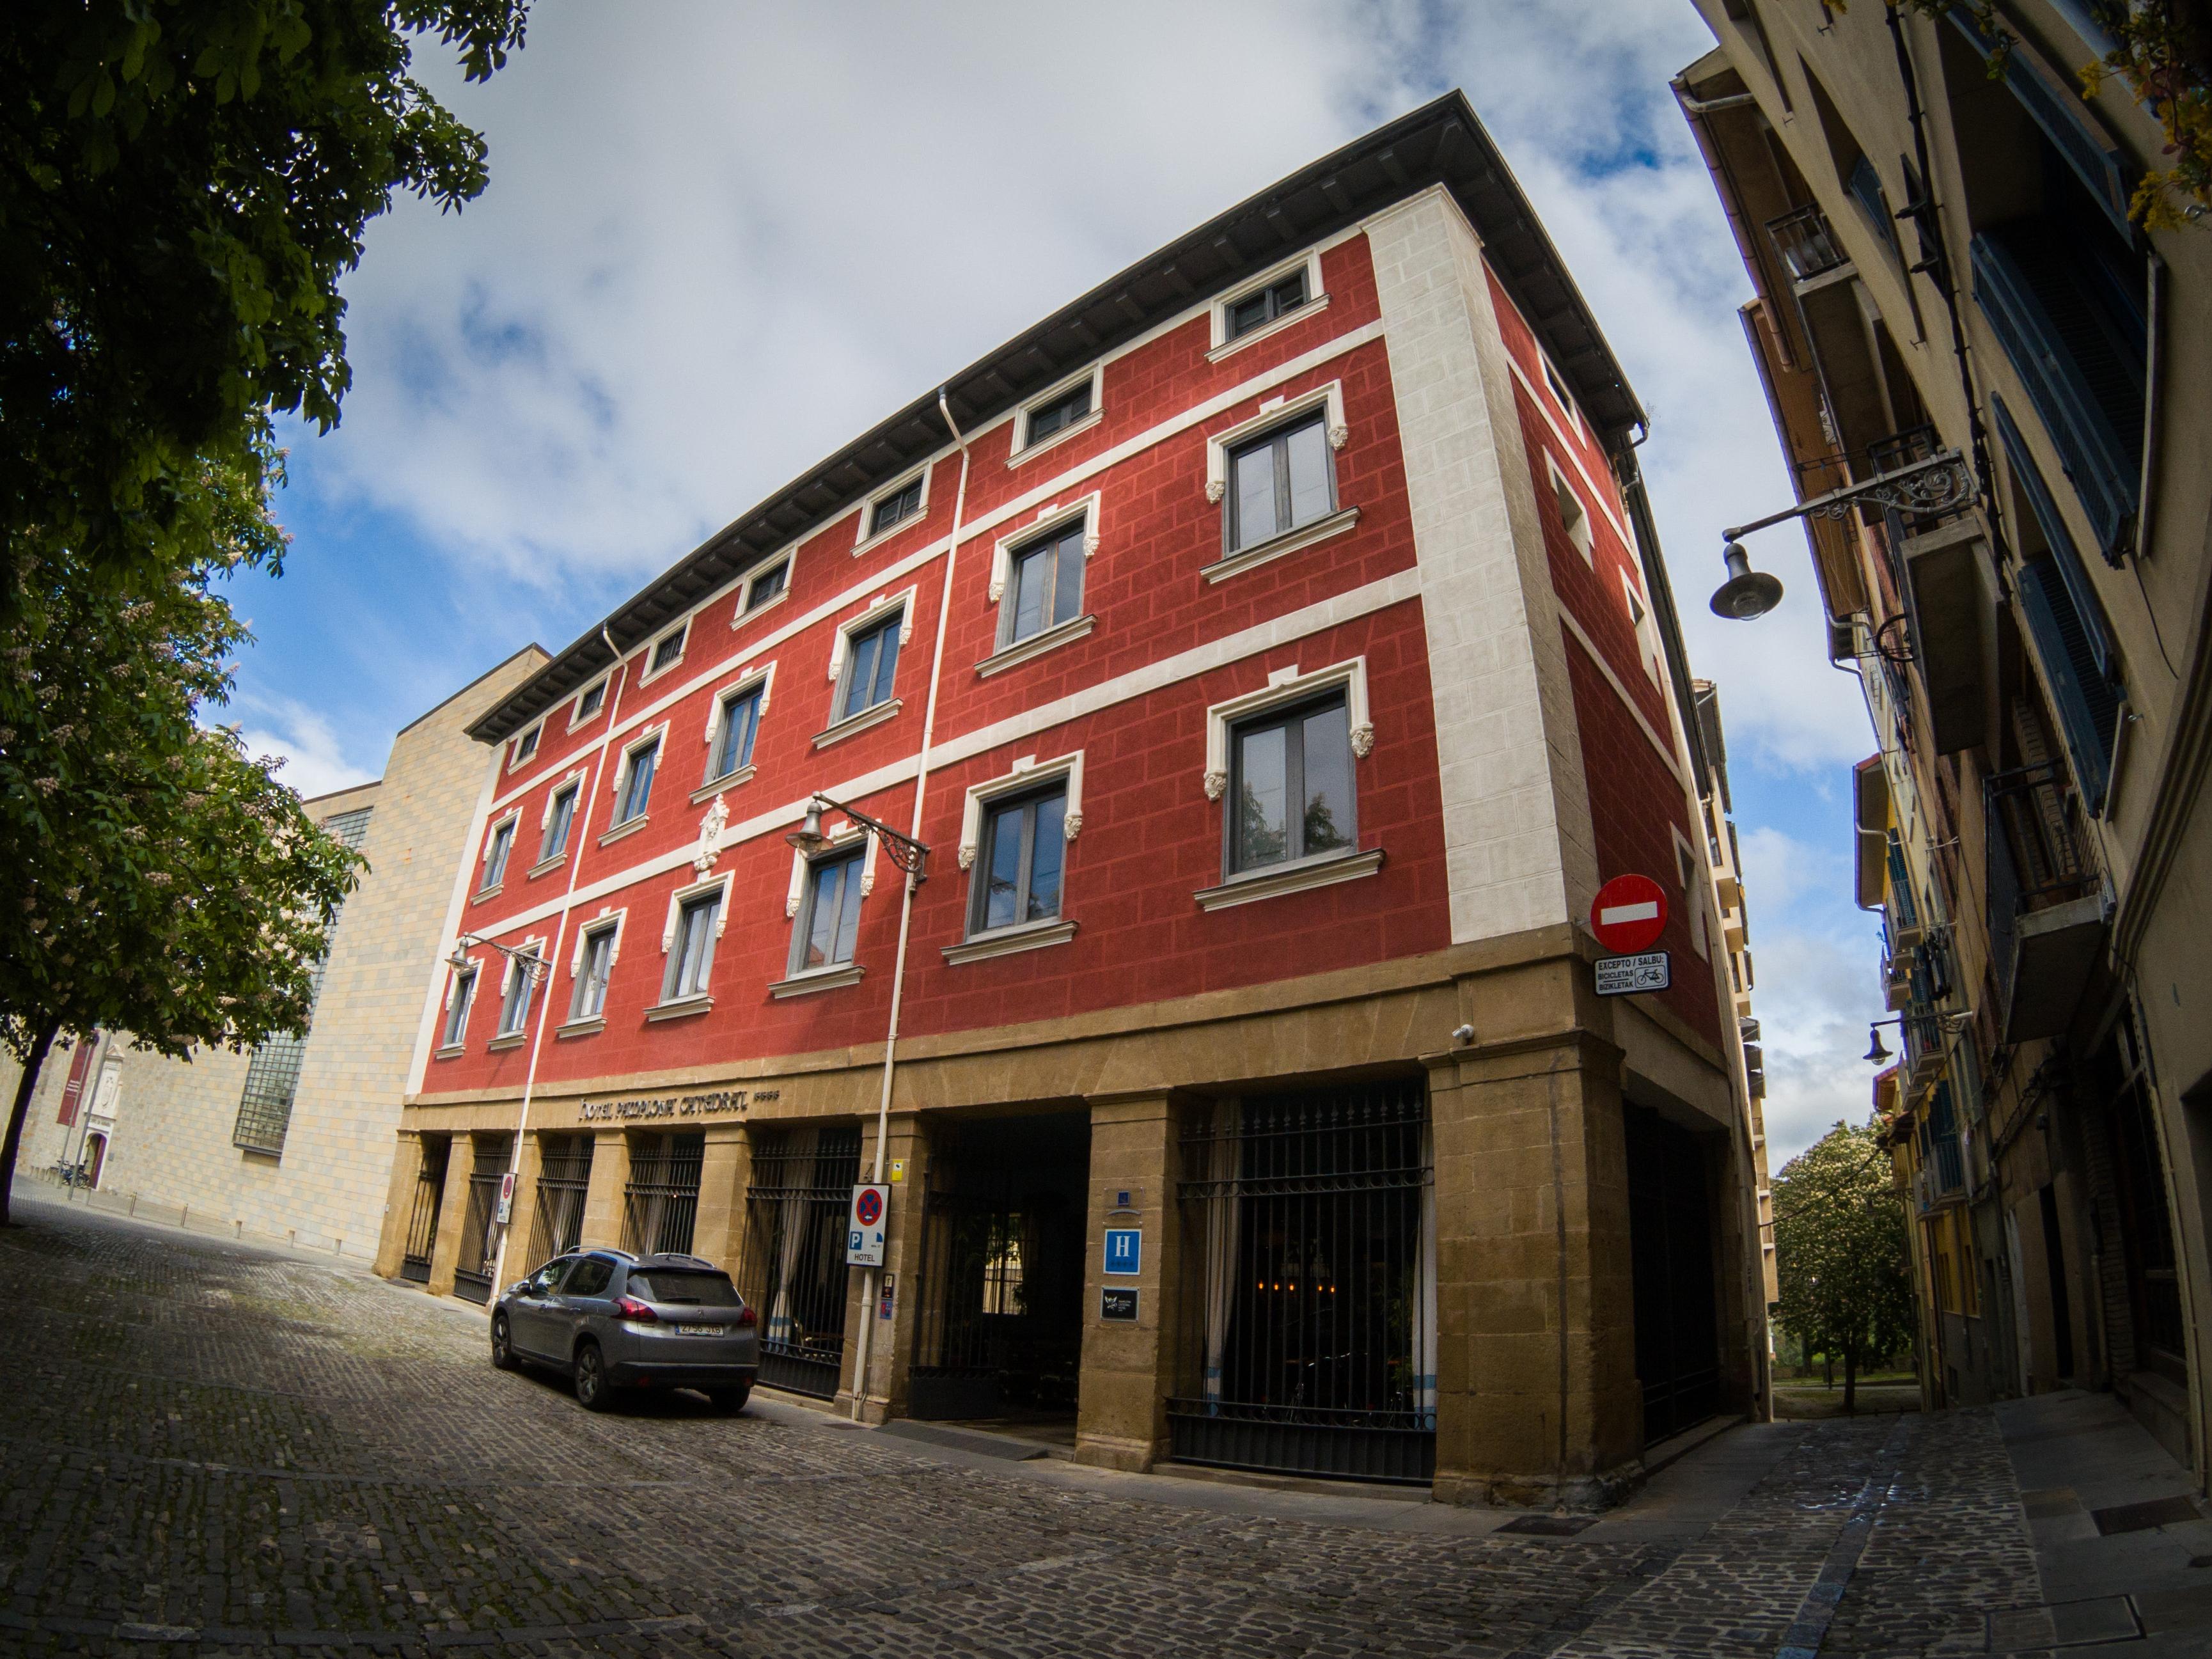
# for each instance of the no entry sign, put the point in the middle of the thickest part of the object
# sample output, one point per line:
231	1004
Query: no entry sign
1628	914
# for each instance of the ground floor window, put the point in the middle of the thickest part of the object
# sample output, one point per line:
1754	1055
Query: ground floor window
661	1201
422	1214
479	1256
564	1180
795	1208
1309	1296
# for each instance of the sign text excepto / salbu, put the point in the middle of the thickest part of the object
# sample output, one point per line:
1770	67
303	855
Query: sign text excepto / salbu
701	1105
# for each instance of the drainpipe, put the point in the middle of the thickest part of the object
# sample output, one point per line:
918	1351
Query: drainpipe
578	830
906	898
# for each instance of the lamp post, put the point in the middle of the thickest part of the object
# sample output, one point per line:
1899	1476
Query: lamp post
910	855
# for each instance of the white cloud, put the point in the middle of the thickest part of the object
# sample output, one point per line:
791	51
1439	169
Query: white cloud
314	760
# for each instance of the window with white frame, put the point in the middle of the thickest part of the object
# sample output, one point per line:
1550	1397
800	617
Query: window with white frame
590	701
497	851
1022	852
1044	580
1572	514
1280	480
894	508
765	586
526	746
691	951
1686	867
633	780
1291	793
514	1003
737	723
560	818
827	924
460	991
1558	391
667	650
1258	307
1647	632
1057	411
871	663
594	966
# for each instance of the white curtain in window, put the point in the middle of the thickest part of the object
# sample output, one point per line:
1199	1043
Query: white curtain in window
1425	1333
790	1226
1223	1207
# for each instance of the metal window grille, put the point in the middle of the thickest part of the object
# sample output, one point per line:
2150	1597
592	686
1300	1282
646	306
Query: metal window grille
480	1228
423	1218
795	1271
1310	1290
564	1180
661	1201
272	1075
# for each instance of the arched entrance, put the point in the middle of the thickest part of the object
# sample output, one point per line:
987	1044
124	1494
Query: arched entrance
95	1158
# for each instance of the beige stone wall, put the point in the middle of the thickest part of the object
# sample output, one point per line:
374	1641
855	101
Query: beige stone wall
171	1152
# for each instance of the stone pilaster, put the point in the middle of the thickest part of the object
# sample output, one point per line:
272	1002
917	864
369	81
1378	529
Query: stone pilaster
724	1172
521	1218
603	1199
452	1214
1128	1368
399	1203
891	1341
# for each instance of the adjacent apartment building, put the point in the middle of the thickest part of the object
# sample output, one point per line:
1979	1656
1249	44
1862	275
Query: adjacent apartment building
1142	803
1957	319
292	1142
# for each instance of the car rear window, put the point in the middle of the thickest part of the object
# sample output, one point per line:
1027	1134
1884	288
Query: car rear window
684	1289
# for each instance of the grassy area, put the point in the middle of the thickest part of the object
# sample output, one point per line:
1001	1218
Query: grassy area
1867	1379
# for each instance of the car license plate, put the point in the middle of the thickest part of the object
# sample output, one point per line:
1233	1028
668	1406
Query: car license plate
698	1330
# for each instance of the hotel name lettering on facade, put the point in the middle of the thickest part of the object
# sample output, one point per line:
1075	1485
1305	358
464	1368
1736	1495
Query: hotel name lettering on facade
706	1105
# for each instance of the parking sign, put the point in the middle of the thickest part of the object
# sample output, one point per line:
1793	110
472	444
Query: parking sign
866	1224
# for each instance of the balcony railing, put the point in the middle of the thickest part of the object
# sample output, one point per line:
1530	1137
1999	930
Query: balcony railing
1808	247
2045	909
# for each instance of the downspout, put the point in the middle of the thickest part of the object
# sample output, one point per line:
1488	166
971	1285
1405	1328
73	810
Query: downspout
578	832
906	899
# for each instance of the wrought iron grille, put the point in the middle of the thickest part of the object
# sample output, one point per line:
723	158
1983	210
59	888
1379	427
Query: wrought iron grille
2038	854
564	1181
272	1075
479	1255
661	1201
423	1218
795	1274
1807	246
1309	1304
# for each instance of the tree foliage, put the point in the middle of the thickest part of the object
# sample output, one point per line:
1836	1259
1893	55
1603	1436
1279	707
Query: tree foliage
153	878
182	183
1841	1252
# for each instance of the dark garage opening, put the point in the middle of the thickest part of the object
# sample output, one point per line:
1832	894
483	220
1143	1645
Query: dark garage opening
1670	1224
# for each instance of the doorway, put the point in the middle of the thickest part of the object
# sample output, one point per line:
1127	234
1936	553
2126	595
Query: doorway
1670	1227
95	1155
999	1328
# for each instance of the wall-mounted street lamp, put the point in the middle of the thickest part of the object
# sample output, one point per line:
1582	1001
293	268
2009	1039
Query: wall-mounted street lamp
904	850
1938	485
530	961
1952	1023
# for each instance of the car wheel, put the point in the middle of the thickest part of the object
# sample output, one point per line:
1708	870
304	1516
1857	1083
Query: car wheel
502	1344
730	1401
593	1392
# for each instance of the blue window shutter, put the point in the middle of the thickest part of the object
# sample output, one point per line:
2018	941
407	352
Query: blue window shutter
2097	636
2073	375
2065	120
2087	710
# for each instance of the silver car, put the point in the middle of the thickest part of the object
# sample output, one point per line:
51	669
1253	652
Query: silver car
614	1320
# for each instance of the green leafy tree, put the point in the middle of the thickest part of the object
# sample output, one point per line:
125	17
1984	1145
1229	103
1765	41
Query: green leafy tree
1841	1253
182	183
153	878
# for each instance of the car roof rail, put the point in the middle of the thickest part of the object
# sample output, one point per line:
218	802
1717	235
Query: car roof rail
674	1259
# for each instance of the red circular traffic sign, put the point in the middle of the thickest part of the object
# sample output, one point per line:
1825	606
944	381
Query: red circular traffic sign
868	1208
1628	914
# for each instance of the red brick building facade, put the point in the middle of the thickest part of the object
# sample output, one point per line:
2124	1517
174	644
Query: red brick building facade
1261	649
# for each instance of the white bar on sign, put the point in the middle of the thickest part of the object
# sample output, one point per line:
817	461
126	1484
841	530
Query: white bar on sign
1613	913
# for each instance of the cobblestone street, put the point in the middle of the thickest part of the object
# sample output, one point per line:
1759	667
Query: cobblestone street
216	1451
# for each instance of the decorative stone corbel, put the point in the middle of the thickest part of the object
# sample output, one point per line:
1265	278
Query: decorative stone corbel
1363	740
1216	783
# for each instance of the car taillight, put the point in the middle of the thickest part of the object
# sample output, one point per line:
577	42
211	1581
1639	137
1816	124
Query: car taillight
630	1308
746	1318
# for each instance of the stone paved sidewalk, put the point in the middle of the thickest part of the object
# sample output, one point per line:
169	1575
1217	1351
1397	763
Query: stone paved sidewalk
212	1451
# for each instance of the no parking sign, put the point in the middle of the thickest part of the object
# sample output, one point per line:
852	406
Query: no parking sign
865	1225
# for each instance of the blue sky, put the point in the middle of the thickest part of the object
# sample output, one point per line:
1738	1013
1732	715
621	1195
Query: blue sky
720	239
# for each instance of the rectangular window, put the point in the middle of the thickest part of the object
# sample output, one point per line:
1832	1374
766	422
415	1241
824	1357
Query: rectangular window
1044	586
871	661
691	958
591	999
1290	786
526	745
1257	309
1279	480
829	914
594	698
669	650
502	843
637	782
733	747
897	507
557	822
1571	512
514	1007
768	585
456	1015
1025	849
1055	414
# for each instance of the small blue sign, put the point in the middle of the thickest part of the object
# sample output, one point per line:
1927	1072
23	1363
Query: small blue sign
1125	1250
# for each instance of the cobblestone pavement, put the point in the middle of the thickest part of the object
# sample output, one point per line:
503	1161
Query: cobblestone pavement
212	1451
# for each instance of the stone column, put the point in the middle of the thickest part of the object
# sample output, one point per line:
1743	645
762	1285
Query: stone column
891	1341
603	1199
521	1219
1129	1368
1536	1389
399	1203
452	1214
724	1172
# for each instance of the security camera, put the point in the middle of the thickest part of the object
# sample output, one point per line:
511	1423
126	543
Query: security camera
1462	1035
